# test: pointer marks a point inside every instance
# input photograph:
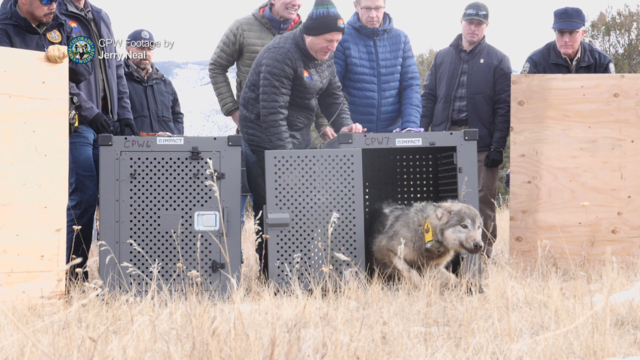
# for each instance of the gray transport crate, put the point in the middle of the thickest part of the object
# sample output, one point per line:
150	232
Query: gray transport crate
351	174
151	190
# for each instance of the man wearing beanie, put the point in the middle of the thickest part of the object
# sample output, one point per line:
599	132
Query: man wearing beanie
291	78
239	46
568	54
378	71
469	86
154	100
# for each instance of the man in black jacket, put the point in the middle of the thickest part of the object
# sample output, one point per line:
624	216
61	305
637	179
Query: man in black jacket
291	77
103	108
469	86
568	54
154	100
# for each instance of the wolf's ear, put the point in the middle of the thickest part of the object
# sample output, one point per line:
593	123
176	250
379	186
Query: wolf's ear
442	214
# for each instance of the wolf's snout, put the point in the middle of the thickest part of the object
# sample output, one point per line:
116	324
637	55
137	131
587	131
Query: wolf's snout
477	245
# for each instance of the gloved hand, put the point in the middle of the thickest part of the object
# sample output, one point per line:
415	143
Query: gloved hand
493	158
100	124
56	54
128	124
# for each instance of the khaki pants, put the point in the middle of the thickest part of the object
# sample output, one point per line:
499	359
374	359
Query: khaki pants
487	193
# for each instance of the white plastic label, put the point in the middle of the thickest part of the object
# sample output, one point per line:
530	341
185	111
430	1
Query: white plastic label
207	220
170	141
409	142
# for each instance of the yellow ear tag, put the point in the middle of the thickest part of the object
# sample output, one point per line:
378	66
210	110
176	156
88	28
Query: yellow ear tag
428	233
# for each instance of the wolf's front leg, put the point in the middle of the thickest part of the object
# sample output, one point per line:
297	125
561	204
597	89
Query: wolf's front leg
406	270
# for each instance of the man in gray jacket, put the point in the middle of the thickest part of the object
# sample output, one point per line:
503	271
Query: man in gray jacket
103	107
291	78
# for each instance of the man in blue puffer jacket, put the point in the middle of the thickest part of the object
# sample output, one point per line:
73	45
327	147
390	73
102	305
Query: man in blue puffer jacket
378	71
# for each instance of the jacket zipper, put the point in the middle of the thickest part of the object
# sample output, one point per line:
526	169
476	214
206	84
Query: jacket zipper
453	96
375	48
102	68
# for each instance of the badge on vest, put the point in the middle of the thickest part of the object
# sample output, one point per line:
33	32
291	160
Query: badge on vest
525	68
54	36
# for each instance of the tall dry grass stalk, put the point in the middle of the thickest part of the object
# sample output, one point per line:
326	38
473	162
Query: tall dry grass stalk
523	314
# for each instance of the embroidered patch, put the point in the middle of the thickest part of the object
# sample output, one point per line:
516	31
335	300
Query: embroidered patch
81	50
341	23
54	36
428	232
525	68
144	34
612	68
74	26
306	75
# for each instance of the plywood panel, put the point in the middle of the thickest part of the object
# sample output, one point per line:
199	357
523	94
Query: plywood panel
575	140
34	165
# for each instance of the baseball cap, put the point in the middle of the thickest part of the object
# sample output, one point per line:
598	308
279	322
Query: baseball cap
568	18
140	36
476	10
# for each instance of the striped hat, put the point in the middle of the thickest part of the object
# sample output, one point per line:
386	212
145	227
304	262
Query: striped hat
323	19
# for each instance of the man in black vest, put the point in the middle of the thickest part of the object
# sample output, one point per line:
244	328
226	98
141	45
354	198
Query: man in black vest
569	53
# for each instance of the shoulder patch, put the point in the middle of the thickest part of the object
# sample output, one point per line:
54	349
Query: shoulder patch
525	68
612	68
54	36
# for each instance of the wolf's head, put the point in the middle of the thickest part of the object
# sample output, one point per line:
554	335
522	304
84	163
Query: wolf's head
459	227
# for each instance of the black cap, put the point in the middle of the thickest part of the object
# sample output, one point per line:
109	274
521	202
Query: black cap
568	18
140	36
323	19
476	10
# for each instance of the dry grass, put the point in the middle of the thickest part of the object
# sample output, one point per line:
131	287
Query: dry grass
540	314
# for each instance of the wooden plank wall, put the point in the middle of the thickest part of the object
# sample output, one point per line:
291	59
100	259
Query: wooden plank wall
34	163
575	167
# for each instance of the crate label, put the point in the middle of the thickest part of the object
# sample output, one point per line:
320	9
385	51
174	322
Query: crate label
409	142
170	141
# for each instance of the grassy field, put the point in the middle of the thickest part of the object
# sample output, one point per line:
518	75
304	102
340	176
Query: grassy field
541	313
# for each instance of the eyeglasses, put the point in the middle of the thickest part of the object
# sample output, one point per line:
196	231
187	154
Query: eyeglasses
47	2
570	33
370	9
476	13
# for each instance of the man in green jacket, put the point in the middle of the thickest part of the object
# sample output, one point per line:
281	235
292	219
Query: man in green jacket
240	46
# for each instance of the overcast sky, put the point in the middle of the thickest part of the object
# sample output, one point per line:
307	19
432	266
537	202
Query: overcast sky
515	27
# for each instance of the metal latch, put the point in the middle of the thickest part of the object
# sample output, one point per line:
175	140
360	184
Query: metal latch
219	175
217	266
278	220
195	153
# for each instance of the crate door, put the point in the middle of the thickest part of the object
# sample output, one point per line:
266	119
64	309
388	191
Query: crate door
305	188
160	195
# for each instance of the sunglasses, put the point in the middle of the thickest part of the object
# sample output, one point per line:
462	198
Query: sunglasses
47	2
476	13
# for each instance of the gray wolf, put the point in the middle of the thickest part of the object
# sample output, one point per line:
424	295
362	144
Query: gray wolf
411	239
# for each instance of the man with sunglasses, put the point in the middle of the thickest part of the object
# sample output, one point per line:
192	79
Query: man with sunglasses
378	71
34	25
568	54
469	86
103	108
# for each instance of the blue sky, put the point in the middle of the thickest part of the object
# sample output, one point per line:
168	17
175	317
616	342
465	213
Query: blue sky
516	27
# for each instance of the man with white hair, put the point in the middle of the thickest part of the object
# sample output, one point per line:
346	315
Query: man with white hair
569	53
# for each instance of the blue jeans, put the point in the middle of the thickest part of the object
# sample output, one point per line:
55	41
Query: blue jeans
83	195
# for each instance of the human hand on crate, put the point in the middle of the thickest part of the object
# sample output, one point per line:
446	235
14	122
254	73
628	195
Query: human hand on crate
56	54
355	128
327	134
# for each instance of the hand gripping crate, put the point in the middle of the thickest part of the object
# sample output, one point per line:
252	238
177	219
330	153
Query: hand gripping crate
153	194
351	174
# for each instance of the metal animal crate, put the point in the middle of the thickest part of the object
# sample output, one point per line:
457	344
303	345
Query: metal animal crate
351	174
153	194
